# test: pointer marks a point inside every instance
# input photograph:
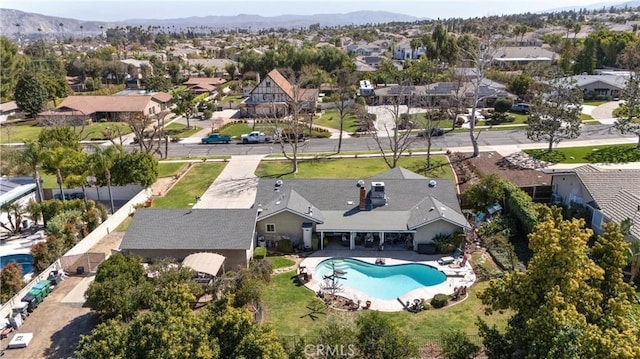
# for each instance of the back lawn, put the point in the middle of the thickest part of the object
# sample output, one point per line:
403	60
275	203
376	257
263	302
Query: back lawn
589	154
169	169
291	317
331	118
29	131
192	185
354	168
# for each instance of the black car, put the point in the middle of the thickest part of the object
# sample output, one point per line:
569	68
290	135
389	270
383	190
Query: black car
435	132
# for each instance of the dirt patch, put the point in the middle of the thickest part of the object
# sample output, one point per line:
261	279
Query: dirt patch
468	170
108	242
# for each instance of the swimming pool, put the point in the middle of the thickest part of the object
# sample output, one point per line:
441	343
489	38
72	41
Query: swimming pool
24	259
380	281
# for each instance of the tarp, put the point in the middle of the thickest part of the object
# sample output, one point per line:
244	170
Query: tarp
209	263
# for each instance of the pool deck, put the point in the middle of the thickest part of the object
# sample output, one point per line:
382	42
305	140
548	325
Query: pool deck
456	276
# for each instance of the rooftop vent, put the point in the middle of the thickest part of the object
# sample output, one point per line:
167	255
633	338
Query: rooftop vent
277	185
378	195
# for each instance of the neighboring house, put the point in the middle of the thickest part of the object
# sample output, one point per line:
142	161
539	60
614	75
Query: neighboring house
7	109
517	57
208	85
75	82
403	51
134	67
397	209
595	86
19	190
610	195
219	65
275	96
155	234
109	107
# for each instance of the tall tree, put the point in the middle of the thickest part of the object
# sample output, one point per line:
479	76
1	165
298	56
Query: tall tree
555	112
183	99
30	95
12	64
34	155
135	167
629	121
345	81
10	281
101	162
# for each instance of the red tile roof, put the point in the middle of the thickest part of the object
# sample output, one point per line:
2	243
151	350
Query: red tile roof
214	81
282	82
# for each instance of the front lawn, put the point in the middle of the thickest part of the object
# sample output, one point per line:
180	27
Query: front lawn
180	130
237	129
170	169
354	168
29	131
595	102
290	316
233	98
331	118
589	154
192	185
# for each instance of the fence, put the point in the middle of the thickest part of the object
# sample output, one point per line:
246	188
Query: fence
79	249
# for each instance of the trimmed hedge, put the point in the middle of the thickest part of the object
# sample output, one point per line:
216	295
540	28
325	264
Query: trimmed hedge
260	253
520	206
439	300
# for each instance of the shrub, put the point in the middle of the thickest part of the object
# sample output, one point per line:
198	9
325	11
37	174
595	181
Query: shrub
457	345
284	246
260	253
444	242
503	105
439	300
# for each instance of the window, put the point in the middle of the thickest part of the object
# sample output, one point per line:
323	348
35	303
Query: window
596	219
267	84
271	228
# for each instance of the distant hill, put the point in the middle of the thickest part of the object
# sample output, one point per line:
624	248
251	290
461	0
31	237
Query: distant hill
31	24
598	6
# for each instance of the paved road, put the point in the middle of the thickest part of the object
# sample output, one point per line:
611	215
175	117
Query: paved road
449	140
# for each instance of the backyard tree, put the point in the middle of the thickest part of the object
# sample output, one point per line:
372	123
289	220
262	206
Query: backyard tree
34	156
30	95
555	112
101	162
561	306
135	167
13	212
10	281
378	337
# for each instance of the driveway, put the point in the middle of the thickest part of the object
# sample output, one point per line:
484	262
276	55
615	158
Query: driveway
236	185
604	112
386	117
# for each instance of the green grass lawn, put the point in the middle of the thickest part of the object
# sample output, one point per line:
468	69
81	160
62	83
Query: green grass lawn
589	154
280	262
595	103
168	169
29	131
233	98
192	185
290	316
331	118
124	225
238	129
354	168
180	130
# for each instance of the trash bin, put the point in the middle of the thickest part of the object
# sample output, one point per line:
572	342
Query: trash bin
80	270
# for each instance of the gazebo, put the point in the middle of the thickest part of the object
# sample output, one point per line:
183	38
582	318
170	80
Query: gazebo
208	263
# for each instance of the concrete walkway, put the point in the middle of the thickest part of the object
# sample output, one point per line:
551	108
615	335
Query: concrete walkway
604	112
236	185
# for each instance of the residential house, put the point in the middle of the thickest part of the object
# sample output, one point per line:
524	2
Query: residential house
19	190
8	109
109	107
155	234
134	67
518	57
600	86
275	96
403	51
610	195
219	65
397	209
209	85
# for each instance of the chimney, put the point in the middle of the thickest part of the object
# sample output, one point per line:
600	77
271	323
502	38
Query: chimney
363	199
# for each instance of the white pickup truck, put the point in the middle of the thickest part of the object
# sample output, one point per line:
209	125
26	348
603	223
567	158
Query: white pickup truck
256	137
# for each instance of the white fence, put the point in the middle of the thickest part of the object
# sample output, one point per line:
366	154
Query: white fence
81	247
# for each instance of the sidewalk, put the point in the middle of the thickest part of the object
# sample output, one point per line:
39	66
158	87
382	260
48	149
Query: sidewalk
236	185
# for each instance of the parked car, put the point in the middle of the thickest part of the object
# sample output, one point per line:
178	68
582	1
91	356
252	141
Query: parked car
68	196
523	108
256	137
215	138
435	132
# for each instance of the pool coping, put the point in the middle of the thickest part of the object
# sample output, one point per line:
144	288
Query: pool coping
455	277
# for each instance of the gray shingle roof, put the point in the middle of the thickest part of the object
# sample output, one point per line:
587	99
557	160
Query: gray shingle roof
604	184
430	209
625	205
206	229
293	202
337	200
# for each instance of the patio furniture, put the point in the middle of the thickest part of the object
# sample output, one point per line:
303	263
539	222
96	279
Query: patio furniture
446	260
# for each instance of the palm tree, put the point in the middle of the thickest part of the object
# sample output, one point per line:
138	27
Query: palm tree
199	68
34	156
55	161
101	162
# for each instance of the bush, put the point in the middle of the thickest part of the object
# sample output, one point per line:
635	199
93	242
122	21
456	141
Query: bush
444	242
503	105
284	246
439	300
259	253
457	345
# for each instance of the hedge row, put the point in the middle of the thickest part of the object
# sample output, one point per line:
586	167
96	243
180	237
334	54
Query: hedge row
520	206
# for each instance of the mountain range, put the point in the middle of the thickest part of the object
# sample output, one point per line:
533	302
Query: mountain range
15	22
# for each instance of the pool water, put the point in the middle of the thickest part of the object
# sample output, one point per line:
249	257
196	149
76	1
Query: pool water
380	281
25	260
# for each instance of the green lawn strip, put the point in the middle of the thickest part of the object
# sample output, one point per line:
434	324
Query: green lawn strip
291	317
29	132
124	225
346	153
585	117
180	130
169	169
191	158
595	102
353	168
331	118
192	185
589	154
280	262
234	98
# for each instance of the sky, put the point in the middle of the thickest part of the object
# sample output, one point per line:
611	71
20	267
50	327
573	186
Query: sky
103	10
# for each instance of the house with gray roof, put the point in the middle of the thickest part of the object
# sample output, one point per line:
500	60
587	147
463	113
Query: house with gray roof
596	86
397	209
610	195
519	56
156	233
